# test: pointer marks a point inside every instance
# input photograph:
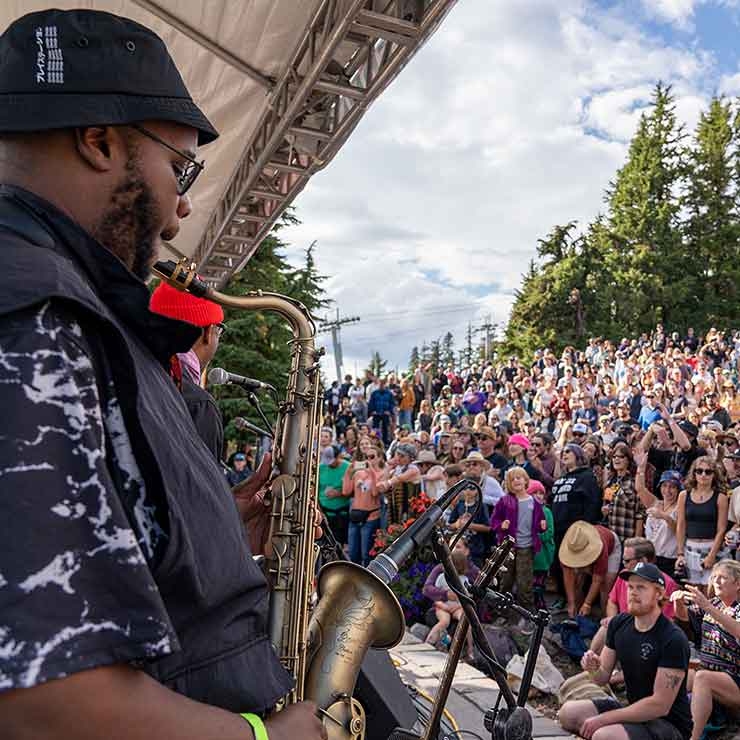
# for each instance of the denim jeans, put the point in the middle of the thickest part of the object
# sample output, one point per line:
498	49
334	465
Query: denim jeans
383	422
404	417
361	538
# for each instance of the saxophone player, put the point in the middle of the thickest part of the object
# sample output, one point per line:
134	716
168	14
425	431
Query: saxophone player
129	603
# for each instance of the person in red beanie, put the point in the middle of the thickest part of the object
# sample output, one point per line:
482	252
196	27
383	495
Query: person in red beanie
186	368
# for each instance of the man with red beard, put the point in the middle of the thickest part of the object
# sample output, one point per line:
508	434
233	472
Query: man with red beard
654	655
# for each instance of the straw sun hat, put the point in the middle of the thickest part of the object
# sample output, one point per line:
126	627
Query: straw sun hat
581	545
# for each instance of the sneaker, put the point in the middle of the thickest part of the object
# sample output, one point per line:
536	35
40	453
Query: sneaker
559	605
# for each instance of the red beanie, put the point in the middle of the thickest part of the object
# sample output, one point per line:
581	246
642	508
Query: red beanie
177	304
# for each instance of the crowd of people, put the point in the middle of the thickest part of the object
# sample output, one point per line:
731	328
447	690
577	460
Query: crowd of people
617	459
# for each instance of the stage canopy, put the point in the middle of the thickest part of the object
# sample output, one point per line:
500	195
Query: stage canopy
285	82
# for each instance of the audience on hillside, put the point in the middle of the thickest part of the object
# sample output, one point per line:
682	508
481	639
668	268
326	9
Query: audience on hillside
622	457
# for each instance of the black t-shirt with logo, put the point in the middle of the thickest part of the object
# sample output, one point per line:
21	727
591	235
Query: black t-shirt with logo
642	653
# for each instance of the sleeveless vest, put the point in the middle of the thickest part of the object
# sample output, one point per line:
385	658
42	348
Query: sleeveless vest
215	595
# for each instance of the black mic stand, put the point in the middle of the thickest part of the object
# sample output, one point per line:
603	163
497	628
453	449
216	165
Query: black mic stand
513	722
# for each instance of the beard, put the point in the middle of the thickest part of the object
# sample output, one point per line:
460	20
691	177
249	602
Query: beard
129	226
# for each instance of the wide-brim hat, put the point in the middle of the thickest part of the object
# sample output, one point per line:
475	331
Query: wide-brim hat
426	456
69	68
476	457
487	431
581	545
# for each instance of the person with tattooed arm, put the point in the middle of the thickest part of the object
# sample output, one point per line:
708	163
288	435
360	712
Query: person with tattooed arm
654	655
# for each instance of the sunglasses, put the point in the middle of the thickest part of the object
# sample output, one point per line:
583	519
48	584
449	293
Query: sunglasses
186	174
704	471
620	457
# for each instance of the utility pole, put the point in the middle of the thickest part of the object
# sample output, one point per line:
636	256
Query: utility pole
489	331
334	326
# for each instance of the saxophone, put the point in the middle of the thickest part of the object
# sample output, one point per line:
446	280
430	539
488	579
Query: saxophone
322	648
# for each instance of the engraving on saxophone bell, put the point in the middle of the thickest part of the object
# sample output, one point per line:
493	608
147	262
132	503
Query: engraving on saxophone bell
352	616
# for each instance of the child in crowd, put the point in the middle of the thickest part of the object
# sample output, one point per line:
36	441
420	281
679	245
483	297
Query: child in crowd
543	559
467	509
520	516
450	608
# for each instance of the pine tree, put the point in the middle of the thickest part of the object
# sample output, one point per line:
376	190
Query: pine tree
414	359
307	282
435	355
448	349
469	345
377	365
643	217
258	343
712	229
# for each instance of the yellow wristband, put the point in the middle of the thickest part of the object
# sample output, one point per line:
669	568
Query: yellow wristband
258	726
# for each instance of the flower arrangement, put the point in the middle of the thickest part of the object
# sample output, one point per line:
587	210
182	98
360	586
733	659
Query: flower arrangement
410	581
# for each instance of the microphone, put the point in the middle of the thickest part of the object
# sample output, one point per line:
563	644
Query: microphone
219	376
386	565
245	425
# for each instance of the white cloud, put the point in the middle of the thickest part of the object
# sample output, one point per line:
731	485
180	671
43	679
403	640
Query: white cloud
512	119
678	12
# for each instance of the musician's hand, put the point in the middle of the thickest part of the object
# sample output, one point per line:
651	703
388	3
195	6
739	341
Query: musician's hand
296	720
246	491
253	502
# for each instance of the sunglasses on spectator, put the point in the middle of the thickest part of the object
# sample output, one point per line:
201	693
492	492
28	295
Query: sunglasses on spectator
619	455
458	448
704	471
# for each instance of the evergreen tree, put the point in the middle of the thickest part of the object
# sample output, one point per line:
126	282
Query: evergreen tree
435	355
414	359
468	351
377	365
712	230
257	344
448	349
630	267
643	217
307	282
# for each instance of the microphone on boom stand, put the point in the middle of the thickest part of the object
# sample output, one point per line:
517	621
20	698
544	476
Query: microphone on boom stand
245	425
219	376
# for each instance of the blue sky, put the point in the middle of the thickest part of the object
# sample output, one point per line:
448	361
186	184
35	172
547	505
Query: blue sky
513	118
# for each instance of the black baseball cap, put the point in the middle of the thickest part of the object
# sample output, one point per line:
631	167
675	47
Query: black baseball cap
648	571
69	68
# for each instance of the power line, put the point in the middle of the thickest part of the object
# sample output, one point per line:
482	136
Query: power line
422	312
404	332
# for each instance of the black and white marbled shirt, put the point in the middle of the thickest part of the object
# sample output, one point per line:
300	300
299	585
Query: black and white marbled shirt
77	532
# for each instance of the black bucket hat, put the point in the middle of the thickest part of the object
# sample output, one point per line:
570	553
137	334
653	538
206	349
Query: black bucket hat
68	68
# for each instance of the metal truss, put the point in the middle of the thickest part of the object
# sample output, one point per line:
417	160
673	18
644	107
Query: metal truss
350	52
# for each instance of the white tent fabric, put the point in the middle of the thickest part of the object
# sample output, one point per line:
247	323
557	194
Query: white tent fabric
231	53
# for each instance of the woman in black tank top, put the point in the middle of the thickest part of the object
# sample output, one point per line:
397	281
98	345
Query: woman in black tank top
702	520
